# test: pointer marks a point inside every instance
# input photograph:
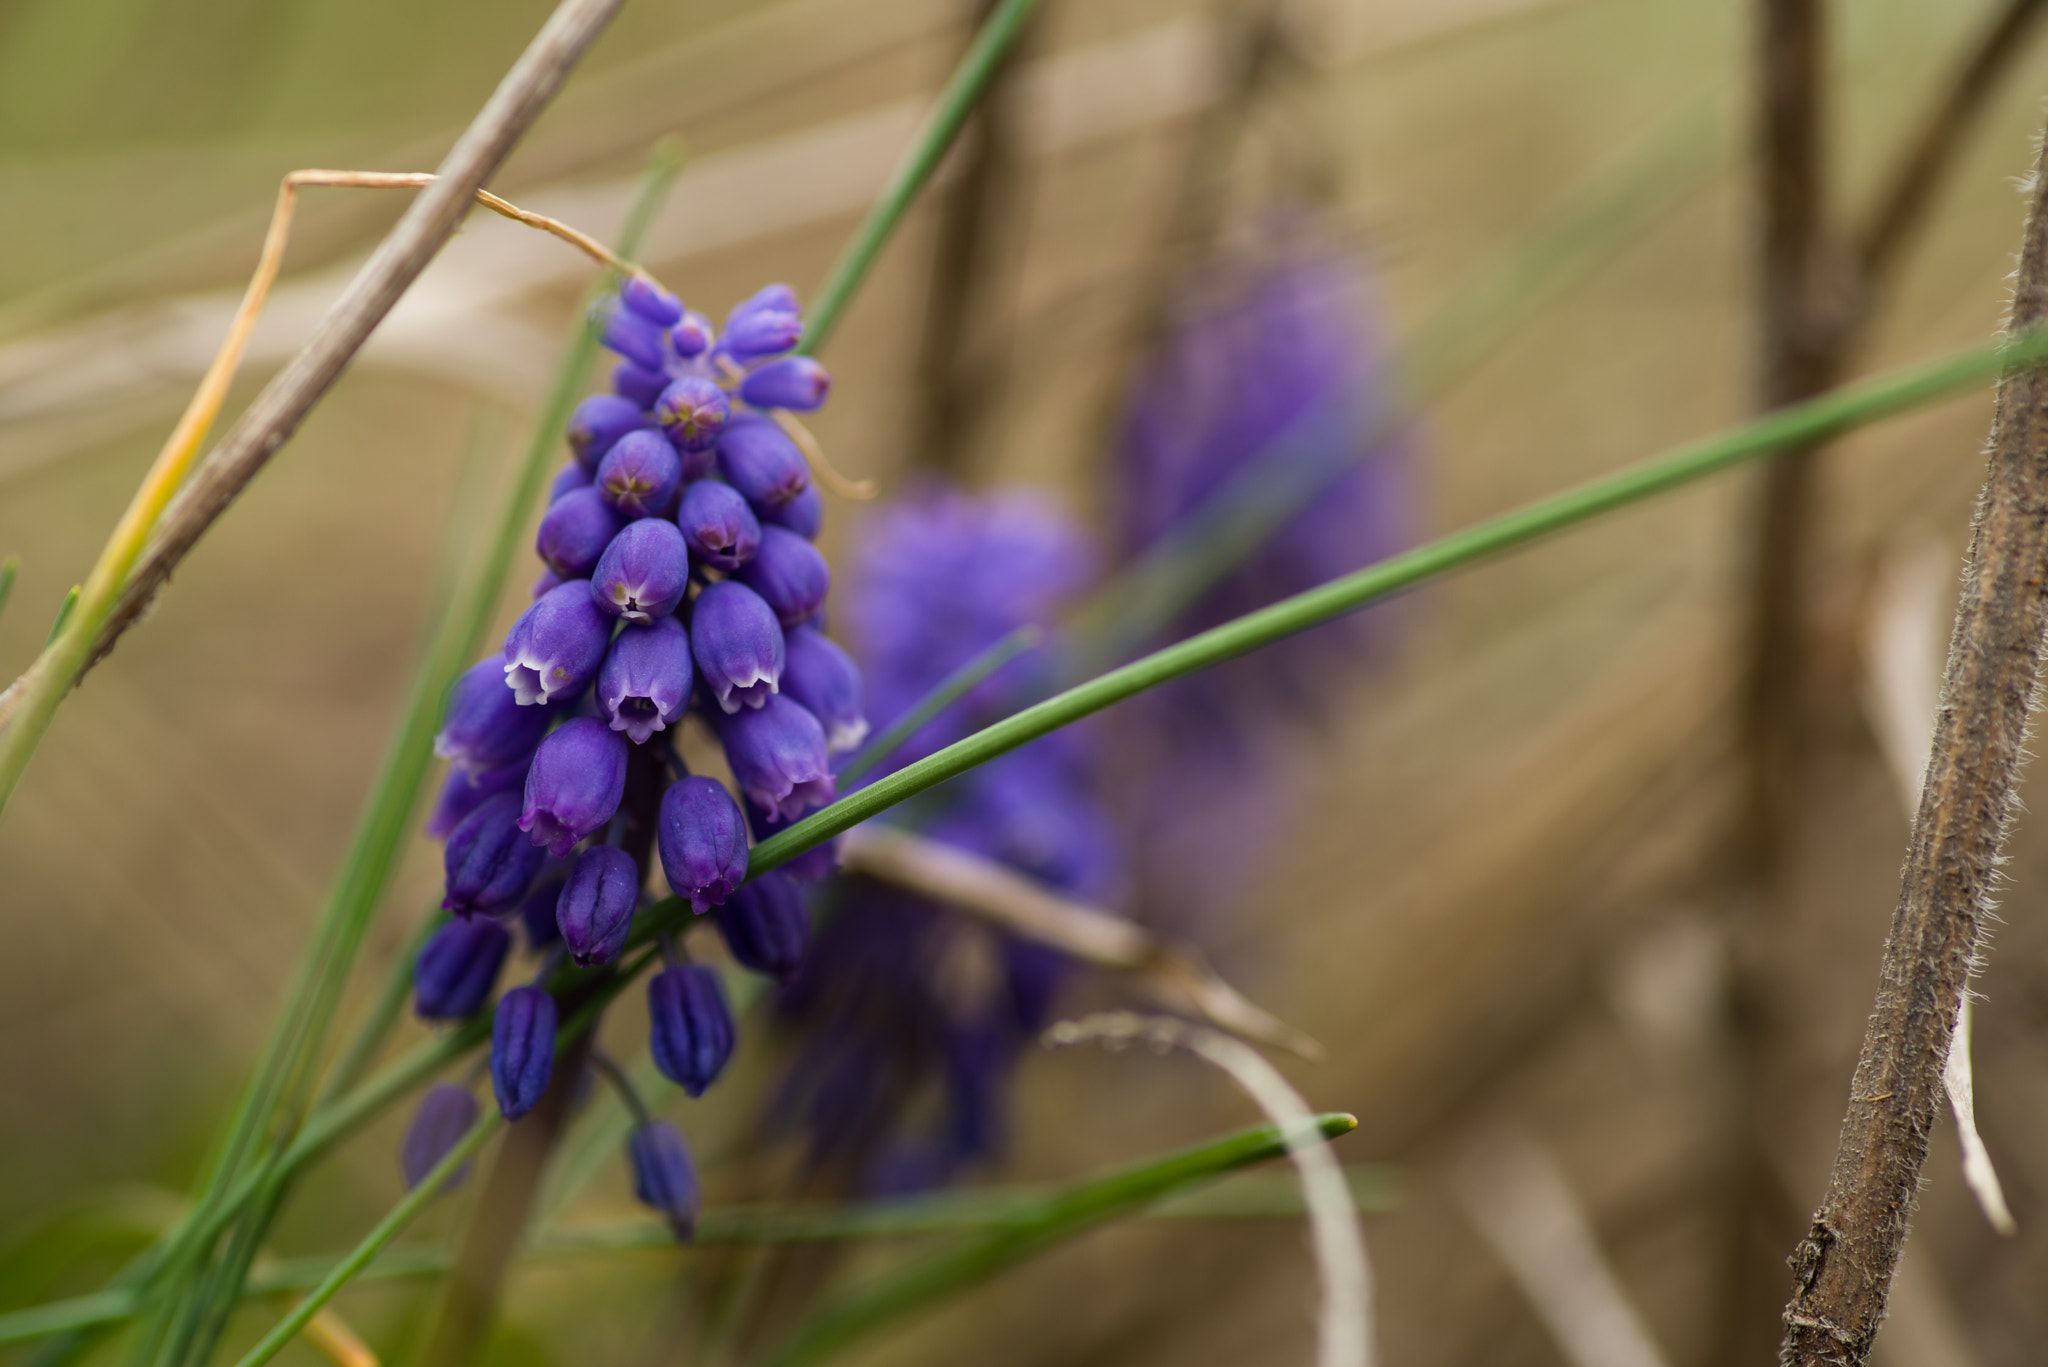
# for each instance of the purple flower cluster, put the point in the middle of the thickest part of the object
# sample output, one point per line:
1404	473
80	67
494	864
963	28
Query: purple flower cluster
911	1018
1267	373
680	573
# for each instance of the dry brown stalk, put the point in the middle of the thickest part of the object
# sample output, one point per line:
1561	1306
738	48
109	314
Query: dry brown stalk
1845	1264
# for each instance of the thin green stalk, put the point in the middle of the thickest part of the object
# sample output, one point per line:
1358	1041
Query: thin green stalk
9	567
944	694
373	1243
1836	412
384	1012
63	615
864	1309
963	91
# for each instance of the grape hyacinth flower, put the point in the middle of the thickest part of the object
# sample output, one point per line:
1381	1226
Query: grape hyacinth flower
691	1028
664	1179
457	967
445	1115
823	677
565	785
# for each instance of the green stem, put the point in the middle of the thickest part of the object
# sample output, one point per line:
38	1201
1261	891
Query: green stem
862	1310
948	691
963	91
1839	411
9	567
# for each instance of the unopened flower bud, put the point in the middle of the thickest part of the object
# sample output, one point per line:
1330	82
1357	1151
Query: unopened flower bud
650	301
758	459
537	908
636	339
638	385
567	479
575	530
777	753
789	574
717	523
445	1115
778	298
644	683
703	841
795	382
463	792
804	514
663	1176
553	650
483	726
645	571
691	336
765	332
824	678
693	411
488	865
690	1030
574	786
639	476
596	907
599	421
456	967
522	1049
737	644
766	927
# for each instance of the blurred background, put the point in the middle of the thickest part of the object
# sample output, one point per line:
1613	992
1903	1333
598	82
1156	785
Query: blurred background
1497	871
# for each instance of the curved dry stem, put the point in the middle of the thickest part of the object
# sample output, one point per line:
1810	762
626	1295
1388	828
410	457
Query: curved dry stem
859	490
1344	1330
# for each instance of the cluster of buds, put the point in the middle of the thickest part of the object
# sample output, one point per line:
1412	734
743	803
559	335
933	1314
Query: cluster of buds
681	578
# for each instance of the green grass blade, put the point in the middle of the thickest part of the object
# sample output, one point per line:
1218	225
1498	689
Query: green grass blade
1833	413
63	615
963	91
944	694
861	1311
9	568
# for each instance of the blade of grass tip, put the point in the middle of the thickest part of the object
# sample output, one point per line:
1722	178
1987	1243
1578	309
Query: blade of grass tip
944	694
964	89
1835	412
860	1311
8	569
374	1242
1564	248
63	615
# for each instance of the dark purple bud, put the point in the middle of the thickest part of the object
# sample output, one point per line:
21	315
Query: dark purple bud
691	336
636	339
644	572
796	382
489	866
522	1049
703	841
599	421
689	1028
637	385
766	927
537	908
663	1176
764	332
597	905
790	575
483	726
554	649
824	678
463	792
777	753
778	298
819	861
804	514
718	525
574	786
644	683
453	975
737	644
569	478
575	530
544	583
650	301
758	459
445	1115
693	411
640	475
